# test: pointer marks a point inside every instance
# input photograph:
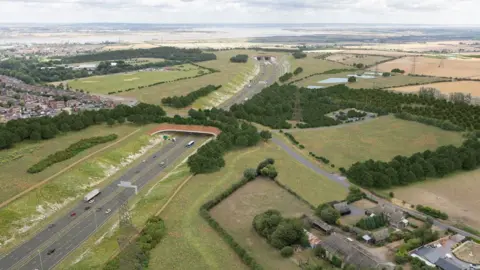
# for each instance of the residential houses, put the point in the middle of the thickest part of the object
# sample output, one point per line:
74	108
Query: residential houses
396	217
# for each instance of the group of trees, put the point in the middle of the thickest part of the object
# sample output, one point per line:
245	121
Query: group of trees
274	106
280	232
151	235
167	53
403	170
372	223
320	158
239	58
413	240
397	70
285	77
352	79
432	212
266	168
184	101
71	151
35	71
327	213
44	128
297	71
299	54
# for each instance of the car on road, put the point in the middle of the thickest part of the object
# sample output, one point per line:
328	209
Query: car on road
51	226
91	201
87	208
162	163
108	211
73	214
137	171
98	209
154	156
51	251
143	161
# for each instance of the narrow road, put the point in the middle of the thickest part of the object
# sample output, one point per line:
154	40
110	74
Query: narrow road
344	182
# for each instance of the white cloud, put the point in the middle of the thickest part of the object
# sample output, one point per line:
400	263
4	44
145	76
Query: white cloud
242	11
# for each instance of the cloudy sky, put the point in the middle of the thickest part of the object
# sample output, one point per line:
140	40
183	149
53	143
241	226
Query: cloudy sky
242	11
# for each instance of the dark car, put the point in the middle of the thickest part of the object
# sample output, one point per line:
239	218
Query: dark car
137	171
99	209
87	208
154	156
73	214
51	251
51	226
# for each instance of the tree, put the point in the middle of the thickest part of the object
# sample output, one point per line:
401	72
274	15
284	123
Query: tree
266	135
352	79
360	65
269	171
250	173
110	121
386	74
327	213
121	119
286	251
35	136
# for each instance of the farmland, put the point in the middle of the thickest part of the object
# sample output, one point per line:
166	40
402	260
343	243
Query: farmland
351	59
236	213
458	68
123	81
191	244
392	81
22	217
231	76
471	87
379	139
311	65
457	195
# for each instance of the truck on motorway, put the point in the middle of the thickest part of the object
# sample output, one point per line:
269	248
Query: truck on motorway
92	194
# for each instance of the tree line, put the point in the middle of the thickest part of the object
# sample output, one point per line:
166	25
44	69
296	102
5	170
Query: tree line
44	128
403	170
273	107
167	53
184	101
239	58
71	151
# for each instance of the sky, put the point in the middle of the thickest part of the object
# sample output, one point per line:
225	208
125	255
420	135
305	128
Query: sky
445	12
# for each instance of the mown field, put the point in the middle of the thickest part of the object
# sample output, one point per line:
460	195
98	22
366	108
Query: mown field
236	214
379	139
378	82
351	59
457	195
311	65
231	76
468	87
115	82
192	244
21	218
96	251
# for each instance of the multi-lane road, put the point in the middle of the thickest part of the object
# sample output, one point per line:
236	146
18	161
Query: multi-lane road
54	243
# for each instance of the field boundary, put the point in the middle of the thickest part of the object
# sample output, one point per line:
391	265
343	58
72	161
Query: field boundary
43	182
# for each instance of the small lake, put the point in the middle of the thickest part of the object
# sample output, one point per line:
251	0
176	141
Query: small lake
334	80
315	87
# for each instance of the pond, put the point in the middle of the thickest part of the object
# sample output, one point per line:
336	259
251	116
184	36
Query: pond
334	80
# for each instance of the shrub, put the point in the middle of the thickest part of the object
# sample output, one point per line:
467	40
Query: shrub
184	101
239	58
432	212
250	174
286	251
280	232
71	151
352	79
327	213
297	71
299	55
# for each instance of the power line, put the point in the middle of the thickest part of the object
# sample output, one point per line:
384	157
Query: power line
414	65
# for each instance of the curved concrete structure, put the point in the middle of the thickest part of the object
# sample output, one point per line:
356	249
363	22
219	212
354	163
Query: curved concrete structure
186	128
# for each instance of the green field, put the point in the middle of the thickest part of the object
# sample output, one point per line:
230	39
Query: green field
231	76
123	81
378	82
236	213
379	139
23	217
94	253
311	65
192	244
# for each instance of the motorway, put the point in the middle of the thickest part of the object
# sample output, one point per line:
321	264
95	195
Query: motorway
70	232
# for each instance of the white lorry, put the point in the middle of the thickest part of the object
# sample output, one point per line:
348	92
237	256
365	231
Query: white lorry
92	194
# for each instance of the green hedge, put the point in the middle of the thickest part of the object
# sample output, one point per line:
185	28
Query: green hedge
187	100
432	212
205	214
70	152
151	235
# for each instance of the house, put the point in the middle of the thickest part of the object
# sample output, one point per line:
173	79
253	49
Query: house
395	217
380	235
342	208
352	253
440	253
312	239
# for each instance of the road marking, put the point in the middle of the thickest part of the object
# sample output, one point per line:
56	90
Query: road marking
49	242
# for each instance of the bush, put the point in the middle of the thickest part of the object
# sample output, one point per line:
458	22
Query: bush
299	55
352	79
297	71
354	194
285	77
286	251
250	174
71	151
391	194
327	213
432	212
239	58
